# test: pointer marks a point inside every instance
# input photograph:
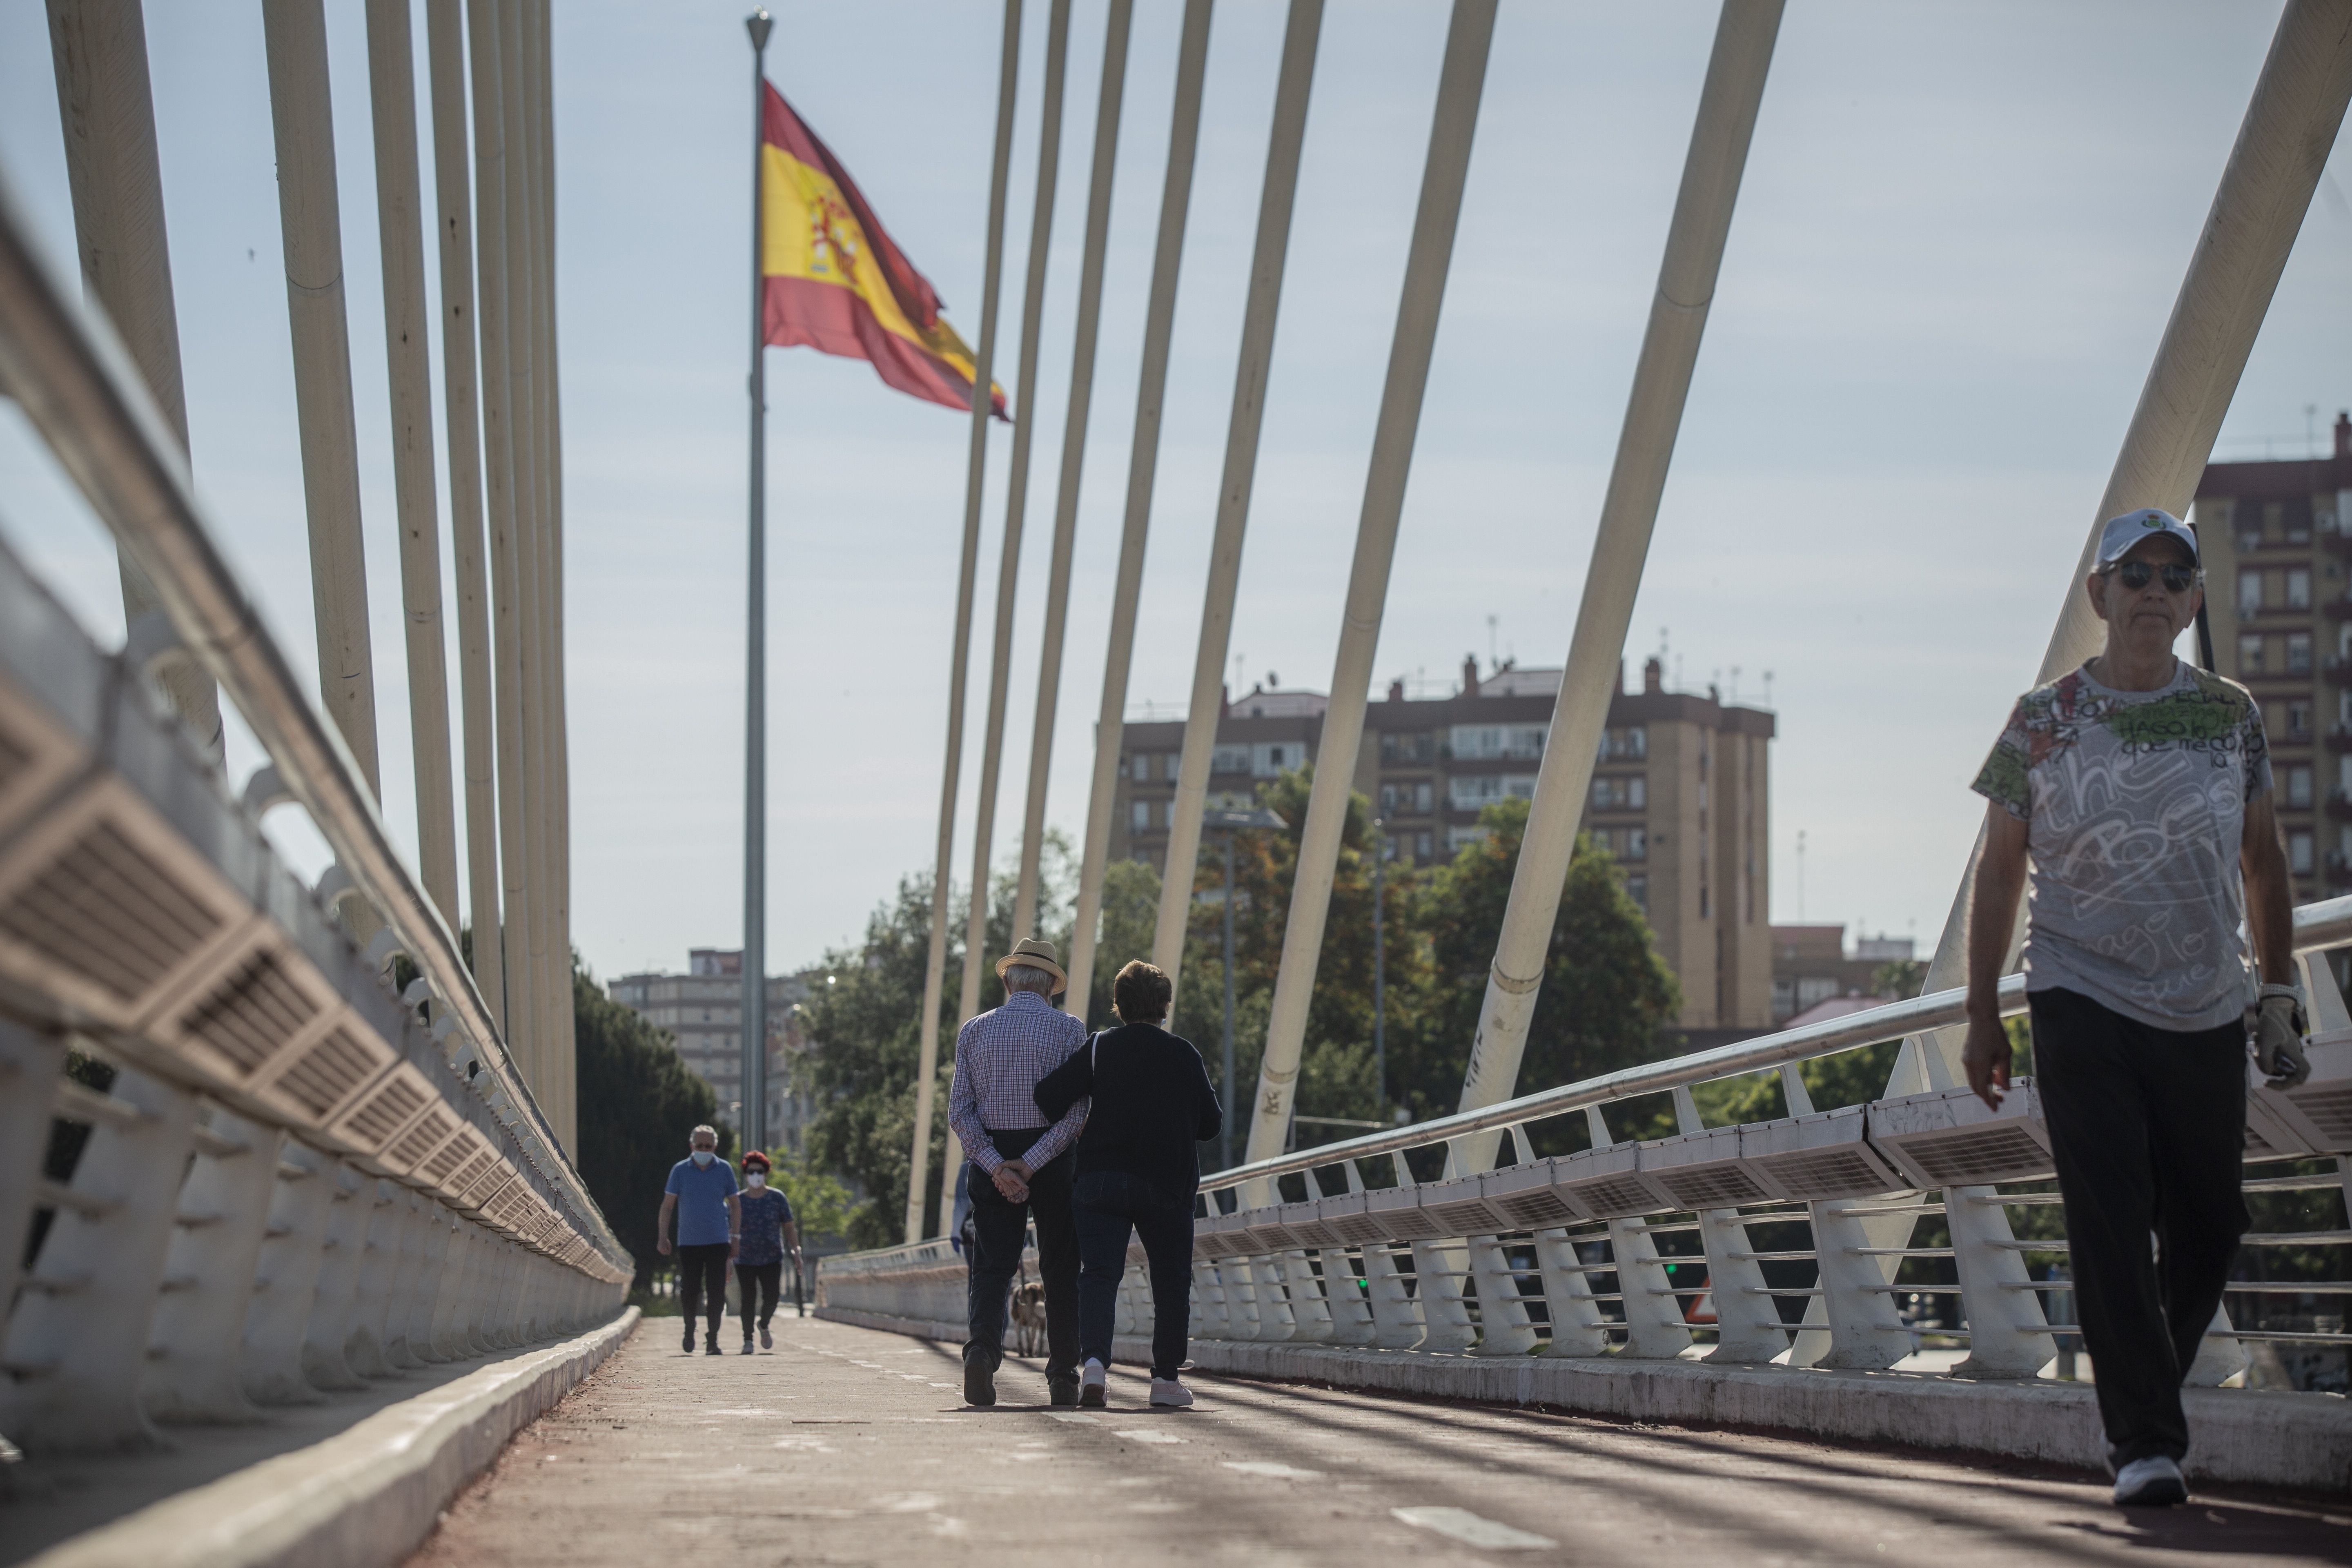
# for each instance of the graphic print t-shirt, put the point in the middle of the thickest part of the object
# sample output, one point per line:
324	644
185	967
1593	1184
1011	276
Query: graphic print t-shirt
2134	803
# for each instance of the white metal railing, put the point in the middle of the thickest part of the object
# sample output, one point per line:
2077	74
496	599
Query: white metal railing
296	1177
1800	1233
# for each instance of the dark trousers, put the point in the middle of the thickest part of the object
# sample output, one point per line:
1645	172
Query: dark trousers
702	1281
2147	1128
762	1280
998	1228
1108	1204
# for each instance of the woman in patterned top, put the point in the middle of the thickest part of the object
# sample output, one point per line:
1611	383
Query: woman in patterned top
769	1233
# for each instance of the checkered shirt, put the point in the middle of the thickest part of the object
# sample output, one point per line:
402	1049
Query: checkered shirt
1001	1057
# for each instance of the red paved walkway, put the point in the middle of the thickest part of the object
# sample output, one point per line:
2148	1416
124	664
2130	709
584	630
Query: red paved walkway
848	1445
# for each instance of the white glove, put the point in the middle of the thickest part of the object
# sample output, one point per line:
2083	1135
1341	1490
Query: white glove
2278	1030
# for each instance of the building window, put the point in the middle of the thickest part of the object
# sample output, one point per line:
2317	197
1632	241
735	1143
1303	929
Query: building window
1637	843
1139	816
2250	653
1455	837
2250	593
2299	854
1267	760
2298	786
1424	797
1626	745
1230	760
1488	740
1476	791
1406	748
2298	653
1638	889
2298	718
2298	588
1420	847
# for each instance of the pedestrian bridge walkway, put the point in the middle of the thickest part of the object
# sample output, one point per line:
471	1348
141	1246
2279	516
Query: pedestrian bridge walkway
849	1445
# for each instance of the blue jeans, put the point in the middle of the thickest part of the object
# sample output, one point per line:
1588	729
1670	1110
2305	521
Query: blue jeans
1106	1205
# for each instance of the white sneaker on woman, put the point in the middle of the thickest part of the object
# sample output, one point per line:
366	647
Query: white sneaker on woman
2152	1482
1167	1391
1092	1389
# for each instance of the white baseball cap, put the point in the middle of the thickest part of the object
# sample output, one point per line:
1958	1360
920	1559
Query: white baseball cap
2116	539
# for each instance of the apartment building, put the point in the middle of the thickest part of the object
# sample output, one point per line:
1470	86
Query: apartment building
1680	796
2275	538
703	1011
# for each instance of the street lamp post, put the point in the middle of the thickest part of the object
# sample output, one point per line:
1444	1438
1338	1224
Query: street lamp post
1379	976
1227	823
1225	1126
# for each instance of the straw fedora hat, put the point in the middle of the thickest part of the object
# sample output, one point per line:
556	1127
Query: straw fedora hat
1036	954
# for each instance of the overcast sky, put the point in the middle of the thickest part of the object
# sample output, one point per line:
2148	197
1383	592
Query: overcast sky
1959	237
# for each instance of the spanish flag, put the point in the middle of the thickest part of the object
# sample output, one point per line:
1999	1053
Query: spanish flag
832	280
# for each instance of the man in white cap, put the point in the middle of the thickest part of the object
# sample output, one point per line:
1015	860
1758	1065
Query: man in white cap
1022	1166
2137	792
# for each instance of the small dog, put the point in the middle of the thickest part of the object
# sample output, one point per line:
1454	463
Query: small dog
1028	1317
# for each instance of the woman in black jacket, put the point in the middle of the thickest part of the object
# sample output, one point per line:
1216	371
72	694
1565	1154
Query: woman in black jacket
1136	1168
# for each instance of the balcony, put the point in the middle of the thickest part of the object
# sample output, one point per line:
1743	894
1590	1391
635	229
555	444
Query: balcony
2338	668
2338	738
2335	609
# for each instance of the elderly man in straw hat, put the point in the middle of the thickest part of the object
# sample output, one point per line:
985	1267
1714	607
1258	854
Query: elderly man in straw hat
1023	1166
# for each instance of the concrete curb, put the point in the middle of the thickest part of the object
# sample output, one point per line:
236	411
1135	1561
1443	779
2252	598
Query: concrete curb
364	1497
2299	1441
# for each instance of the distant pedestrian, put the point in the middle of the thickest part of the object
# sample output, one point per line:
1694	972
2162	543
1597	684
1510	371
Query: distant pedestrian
1001	1058
2134	793
1137	1169
701	1196
770	1236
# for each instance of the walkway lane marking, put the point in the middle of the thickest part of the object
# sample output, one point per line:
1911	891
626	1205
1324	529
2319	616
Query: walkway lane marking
1473	1530
1273	1468
1146	1434
1061	1415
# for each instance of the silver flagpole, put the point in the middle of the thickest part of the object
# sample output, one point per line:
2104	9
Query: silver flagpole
755	683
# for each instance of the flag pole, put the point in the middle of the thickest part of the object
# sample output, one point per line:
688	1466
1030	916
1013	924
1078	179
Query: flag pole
753	1123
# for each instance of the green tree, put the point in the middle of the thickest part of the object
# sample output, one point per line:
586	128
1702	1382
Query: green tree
821	1204
1336	1059
637	1104
865	1026
1606	997
1899	978
1130	915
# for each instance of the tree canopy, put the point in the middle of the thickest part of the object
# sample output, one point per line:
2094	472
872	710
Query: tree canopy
1607	1001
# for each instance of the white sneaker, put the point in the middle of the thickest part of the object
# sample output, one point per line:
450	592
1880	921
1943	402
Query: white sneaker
2152	1482
1167	1391
1093	1380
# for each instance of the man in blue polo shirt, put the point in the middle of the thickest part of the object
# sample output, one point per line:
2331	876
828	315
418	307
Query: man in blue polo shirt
701	1196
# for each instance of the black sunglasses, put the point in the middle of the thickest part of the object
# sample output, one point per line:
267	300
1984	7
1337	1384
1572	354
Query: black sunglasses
2178	579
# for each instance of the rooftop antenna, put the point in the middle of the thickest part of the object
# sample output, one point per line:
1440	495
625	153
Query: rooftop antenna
1801	876
1241	663
1492	621
1768	689
1735	683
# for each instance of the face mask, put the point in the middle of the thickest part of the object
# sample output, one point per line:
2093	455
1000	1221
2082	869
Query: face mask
755	1180
704	1156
